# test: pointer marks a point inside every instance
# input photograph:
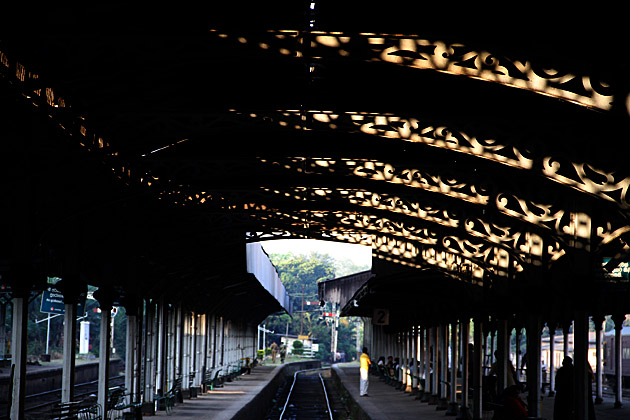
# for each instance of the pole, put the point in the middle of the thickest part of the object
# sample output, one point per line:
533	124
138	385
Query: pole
302	312
47	333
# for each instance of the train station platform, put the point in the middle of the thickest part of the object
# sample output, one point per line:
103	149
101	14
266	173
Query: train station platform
386	403
248	397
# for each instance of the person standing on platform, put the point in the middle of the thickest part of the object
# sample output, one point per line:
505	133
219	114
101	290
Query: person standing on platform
283	352
274	352
563	405
365	368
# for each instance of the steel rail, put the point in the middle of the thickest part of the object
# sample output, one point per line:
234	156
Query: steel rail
295	375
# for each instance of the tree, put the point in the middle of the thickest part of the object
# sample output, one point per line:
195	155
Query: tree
300	275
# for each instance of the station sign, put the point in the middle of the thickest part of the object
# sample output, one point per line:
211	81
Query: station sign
52	302
381	317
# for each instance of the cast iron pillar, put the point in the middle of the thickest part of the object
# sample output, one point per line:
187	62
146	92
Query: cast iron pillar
132	308
18	351
517	350
566	327
414	359
503	353
105	299
435	368
477	373
443	365
582	370
3	330
599	322
618	320
552	358
533	366
464	332
452	405
71	292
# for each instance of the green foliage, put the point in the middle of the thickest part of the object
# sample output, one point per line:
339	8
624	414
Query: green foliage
298	347
300	275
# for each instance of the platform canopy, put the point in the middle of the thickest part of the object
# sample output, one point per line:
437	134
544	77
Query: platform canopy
479	149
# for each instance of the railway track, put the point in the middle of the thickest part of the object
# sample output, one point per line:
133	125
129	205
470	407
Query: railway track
37	406
307	396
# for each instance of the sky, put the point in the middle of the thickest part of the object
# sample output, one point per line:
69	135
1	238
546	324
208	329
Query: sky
359	254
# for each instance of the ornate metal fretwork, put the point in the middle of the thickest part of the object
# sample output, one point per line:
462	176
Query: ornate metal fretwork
428	217
452	58
551	216
608	185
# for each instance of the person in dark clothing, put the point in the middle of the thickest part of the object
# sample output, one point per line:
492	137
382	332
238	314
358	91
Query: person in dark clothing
513	406
563	406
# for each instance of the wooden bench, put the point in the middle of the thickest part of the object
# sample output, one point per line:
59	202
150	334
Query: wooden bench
211	379
234	371
167	401
119	401
76	411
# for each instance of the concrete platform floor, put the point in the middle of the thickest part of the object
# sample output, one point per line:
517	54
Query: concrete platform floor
225	403
383	403
386	403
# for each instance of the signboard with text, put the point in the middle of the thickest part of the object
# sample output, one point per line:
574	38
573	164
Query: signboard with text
52	303
381	317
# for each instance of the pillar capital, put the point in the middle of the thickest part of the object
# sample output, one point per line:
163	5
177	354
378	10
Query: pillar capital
71	290
598	319
105	297
132	304
618	319
552	324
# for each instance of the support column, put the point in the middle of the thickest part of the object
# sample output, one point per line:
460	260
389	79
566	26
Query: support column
618	320
552	358
452	405
69	350
105	300
503	354
413	368
3	330
428	378
492	343
517	350
435	374
443	363
149	356
160	342
477	366
404	360
599	322
421	358
566	326
533	366
464	334
133	306
130	360
139	354
18	353
71	291
582	371
425	343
